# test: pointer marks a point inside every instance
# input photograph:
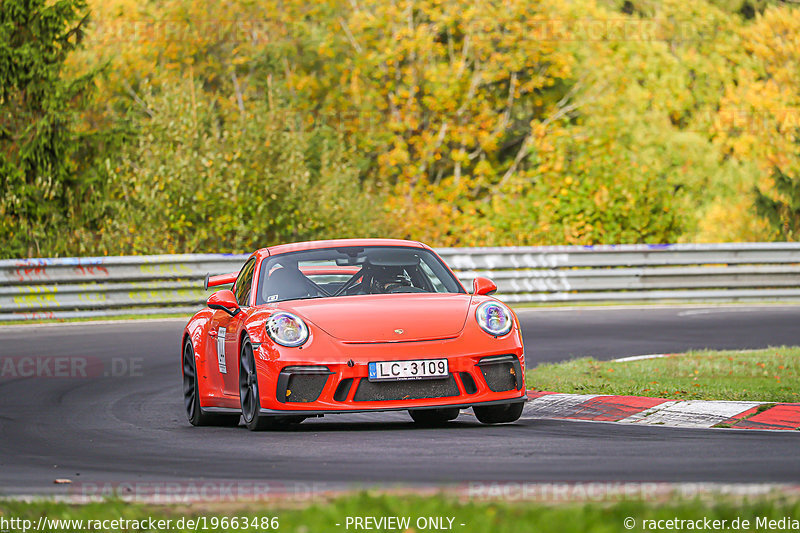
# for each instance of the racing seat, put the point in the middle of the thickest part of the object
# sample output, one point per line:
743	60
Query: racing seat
286	283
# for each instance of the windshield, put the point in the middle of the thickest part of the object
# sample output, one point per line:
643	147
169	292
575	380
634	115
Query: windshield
353	270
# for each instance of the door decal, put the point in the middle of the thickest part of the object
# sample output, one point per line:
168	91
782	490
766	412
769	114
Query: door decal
221	351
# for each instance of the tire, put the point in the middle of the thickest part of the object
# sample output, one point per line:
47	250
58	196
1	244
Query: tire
248	392
191	396
499	414
434	417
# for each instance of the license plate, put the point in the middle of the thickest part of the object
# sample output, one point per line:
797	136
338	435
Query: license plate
406	370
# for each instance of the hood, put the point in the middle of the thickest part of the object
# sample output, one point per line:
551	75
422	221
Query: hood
376	318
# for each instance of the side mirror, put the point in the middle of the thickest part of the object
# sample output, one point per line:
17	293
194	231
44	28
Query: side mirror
483	286
225	301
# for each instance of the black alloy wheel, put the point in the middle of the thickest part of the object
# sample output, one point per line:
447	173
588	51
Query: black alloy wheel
248	391
191	396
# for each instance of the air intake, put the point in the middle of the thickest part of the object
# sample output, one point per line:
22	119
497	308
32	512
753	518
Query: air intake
468	382
501	372
343	389
301	384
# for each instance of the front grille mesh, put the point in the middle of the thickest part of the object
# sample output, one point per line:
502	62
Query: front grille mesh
304	388
405	390
500	377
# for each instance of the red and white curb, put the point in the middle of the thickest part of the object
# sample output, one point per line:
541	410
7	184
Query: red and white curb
662	411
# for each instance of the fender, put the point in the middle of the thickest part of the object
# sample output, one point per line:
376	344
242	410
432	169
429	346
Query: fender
197	331
256	326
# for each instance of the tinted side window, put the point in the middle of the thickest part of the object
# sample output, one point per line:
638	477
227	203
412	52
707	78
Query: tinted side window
244	283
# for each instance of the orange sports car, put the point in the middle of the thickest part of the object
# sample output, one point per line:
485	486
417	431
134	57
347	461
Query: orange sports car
345	326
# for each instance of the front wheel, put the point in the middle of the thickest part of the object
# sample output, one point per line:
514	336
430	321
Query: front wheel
434	417
248	391
191	395
499	414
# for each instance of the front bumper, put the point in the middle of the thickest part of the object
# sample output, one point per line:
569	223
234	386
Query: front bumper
521	399
488	373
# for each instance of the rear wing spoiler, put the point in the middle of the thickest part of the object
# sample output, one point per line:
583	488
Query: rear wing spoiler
221	279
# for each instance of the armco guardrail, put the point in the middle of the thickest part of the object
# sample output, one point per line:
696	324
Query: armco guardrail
75	287
95	286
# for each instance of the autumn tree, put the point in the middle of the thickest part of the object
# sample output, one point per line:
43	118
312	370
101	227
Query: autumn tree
460	123
50	187
757	122
782	210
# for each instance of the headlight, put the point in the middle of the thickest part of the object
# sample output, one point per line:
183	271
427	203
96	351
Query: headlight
494	318
287	329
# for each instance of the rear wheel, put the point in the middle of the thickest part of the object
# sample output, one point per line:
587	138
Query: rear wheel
434	417
499	414
191	395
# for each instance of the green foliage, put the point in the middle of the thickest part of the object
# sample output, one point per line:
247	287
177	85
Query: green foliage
200	178
50	188
457	123
625	157
784	212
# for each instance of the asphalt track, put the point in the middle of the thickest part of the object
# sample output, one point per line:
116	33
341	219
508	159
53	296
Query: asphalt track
130	427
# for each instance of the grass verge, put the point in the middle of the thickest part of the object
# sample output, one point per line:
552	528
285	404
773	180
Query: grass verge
497	517
770	375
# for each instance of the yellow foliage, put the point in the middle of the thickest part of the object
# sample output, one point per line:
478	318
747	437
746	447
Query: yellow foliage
733	221
518	122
